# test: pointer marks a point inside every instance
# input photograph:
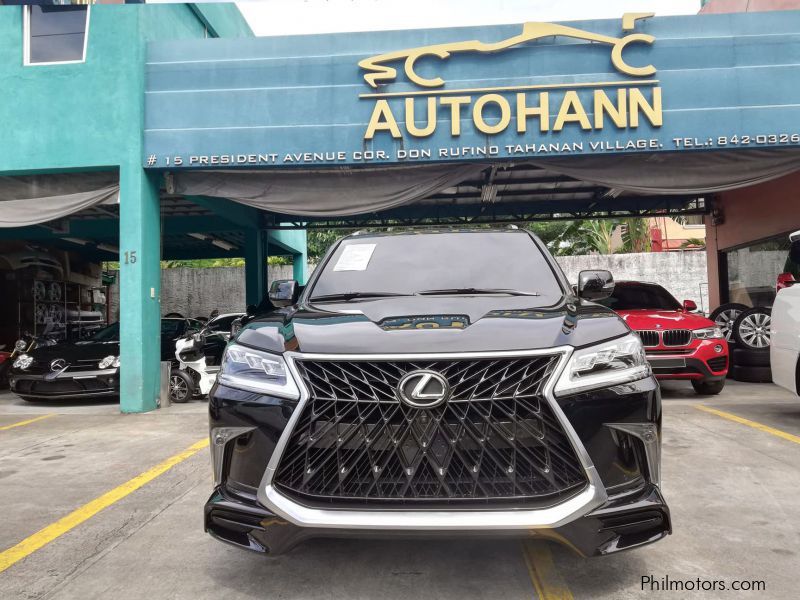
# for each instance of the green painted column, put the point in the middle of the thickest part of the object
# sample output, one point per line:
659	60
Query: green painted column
255	265
300	259
140	289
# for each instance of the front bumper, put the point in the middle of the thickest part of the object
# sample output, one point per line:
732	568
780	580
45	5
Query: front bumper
66	385
615	431
623	523
698	361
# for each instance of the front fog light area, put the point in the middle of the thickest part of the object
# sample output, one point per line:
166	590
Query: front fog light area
256	371
612	363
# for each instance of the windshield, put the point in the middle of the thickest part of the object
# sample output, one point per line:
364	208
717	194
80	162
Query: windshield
107	334
222	323
637	297
448	263
171	328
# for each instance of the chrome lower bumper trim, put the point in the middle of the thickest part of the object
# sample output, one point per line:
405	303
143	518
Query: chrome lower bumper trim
433	520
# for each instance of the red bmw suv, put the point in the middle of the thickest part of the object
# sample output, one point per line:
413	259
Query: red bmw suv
679	343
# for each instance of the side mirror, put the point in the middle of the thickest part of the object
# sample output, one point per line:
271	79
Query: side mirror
595	285
283	292
689	305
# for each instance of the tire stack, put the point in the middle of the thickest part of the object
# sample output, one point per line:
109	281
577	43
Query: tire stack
748	333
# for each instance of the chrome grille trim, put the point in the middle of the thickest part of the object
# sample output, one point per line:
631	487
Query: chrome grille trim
495	440
650	338
592	496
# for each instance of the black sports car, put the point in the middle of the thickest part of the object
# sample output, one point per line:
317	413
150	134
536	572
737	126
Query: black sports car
89	367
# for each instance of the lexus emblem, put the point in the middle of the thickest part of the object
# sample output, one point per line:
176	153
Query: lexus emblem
423	389
58	365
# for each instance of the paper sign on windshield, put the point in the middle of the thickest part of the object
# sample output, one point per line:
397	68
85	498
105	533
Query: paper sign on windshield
355	257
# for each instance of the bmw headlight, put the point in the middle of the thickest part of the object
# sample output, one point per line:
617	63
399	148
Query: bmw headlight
708	333
20	345
22	362
109	361
257	371
612	363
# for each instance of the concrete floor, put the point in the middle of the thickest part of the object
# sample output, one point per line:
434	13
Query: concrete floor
732	490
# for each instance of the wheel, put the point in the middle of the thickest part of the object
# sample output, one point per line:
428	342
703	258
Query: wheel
724	316
173	315
40	317
708	388
751	374
39	291
751	328
748	358
54	292
181	387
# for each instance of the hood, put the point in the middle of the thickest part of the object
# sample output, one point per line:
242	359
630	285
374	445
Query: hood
84	350
432	324
664	319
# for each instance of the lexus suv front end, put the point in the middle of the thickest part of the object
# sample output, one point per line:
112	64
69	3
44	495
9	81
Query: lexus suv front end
438	383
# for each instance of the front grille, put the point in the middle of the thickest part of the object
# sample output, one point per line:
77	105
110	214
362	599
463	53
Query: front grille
495	439
677	337
84	365
649	338
718	363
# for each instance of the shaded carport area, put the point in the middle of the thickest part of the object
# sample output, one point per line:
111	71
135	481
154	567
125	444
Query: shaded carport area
79	218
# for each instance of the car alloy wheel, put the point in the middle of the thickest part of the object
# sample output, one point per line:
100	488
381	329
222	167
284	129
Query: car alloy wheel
752	329
725	316
178	389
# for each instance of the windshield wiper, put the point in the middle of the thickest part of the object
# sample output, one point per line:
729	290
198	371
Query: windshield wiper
346	296
476	291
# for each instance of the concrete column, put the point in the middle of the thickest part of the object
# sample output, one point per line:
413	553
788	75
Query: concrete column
300	259
140	289
255	265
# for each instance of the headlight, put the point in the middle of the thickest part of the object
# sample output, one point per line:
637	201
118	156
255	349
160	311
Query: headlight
257	371
21	345
708	333
109	361
22	362
612	363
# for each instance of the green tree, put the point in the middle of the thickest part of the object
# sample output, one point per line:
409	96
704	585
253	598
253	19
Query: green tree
636	235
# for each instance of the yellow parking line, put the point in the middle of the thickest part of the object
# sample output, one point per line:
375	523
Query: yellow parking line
21	423
44	536
542	570
755	425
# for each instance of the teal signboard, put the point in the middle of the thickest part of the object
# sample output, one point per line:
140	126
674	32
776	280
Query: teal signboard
634	84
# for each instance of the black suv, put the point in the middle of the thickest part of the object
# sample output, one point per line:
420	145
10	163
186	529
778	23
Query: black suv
440	382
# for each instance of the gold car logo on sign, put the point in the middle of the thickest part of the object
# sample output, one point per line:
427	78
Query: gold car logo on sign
624	102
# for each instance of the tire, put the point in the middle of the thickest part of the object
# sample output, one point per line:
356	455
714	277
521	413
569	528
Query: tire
181	387
173	315
751	329
724	316
751	374
708	388
748	358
